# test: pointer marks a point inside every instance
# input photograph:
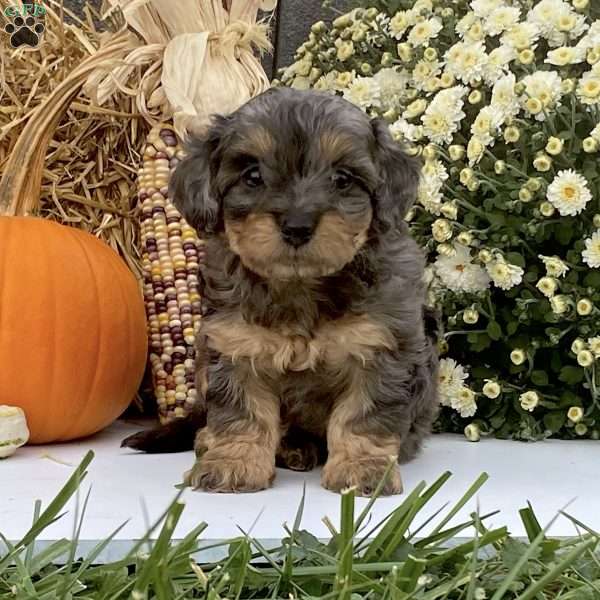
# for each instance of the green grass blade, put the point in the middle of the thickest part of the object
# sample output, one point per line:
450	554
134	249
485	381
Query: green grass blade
538	586
343	581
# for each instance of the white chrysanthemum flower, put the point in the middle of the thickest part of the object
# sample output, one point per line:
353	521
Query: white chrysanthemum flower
594	345
592	38
565	55
595	133
483	8
429	194
504	275
464	24
591	254
529	400
569	192
588	88
486	125
364	92
467	61
498	63
464	402
424	72
392	86
459	273
400	22
504	97
424	31
543	86
522	36
555	267
443	115
402	130
557	20
451	376
327	82
501	19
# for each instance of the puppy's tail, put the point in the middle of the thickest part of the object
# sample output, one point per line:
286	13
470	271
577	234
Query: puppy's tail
177	436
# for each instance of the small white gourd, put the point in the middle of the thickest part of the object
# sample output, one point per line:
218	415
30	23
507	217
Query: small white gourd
13	430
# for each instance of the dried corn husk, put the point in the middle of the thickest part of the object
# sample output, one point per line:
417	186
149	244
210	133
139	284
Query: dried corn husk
198	58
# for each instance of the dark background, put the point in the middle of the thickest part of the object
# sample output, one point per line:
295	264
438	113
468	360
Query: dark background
291	26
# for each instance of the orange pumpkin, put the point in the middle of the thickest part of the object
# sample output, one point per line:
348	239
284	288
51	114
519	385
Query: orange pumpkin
72	329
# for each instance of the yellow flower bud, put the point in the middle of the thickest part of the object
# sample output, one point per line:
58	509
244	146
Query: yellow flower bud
473	185
559	304
585	358
429	152
415	108
596	220
485	256
371	13
430	54
542	163
554	146
405	52
441	230
547	209
342	22
410	215
366	69
529	400
466	175
577	346
449	210
475	150
526	57
443	346
512	134
472	432
387	59
491	389
581	429
414	150
456	152
575	414
525	195
567	86
500	167
447	12
548	286
446	249
533	184
470	316
447	80
390	115
465	238
593	56
475	97
517	356
590	145
580	4
534	106
584	307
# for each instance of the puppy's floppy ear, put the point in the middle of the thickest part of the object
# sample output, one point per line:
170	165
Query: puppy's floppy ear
399	177
191	186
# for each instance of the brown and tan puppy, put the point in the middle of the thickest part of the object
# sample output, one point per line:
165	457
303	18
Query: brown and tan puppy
313	346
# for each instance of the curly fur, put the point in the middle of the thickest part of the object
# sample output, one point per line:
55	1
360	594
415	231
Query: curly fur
310	352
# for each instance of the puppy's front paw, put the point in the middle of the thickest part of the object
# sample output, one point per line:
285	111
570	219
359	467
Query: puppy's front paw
215	472
364	474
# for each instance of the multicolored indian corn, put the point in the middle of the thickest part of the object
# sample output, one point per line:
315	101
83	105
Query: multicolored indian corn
171	256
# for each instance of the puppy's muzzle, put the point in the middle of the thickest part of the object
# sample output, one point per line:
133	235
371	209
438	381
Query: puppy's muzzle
297	228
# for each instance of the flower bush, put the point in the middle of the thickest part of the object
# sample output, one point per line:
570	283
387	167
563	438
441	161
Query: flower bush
502	101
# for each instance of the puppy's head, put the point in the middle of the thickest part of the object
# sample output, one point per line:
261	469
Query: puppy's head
296	182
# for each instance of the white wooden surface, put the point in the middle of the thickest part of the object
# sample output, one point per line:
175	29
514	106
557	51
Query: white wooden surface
136	487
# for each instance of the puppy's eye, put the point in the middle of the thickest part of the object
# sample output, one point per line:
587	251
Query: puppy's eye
252	177
342	180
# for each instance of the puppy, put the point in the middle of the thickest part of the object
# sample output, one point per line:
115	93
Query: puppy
313	347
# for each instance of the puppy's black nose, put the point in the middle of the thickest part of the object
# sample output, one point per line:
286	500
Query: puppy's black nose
297	228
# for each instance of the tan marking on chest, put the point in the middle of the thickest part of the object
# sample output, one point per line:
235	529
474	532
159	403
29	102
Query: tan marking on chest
334	343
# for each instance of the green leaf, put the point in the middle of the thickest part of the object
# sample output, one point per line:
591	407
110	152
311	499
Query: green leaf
494	330
515	259
539	377
554	421
564	233
592	279
571	375
512	327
